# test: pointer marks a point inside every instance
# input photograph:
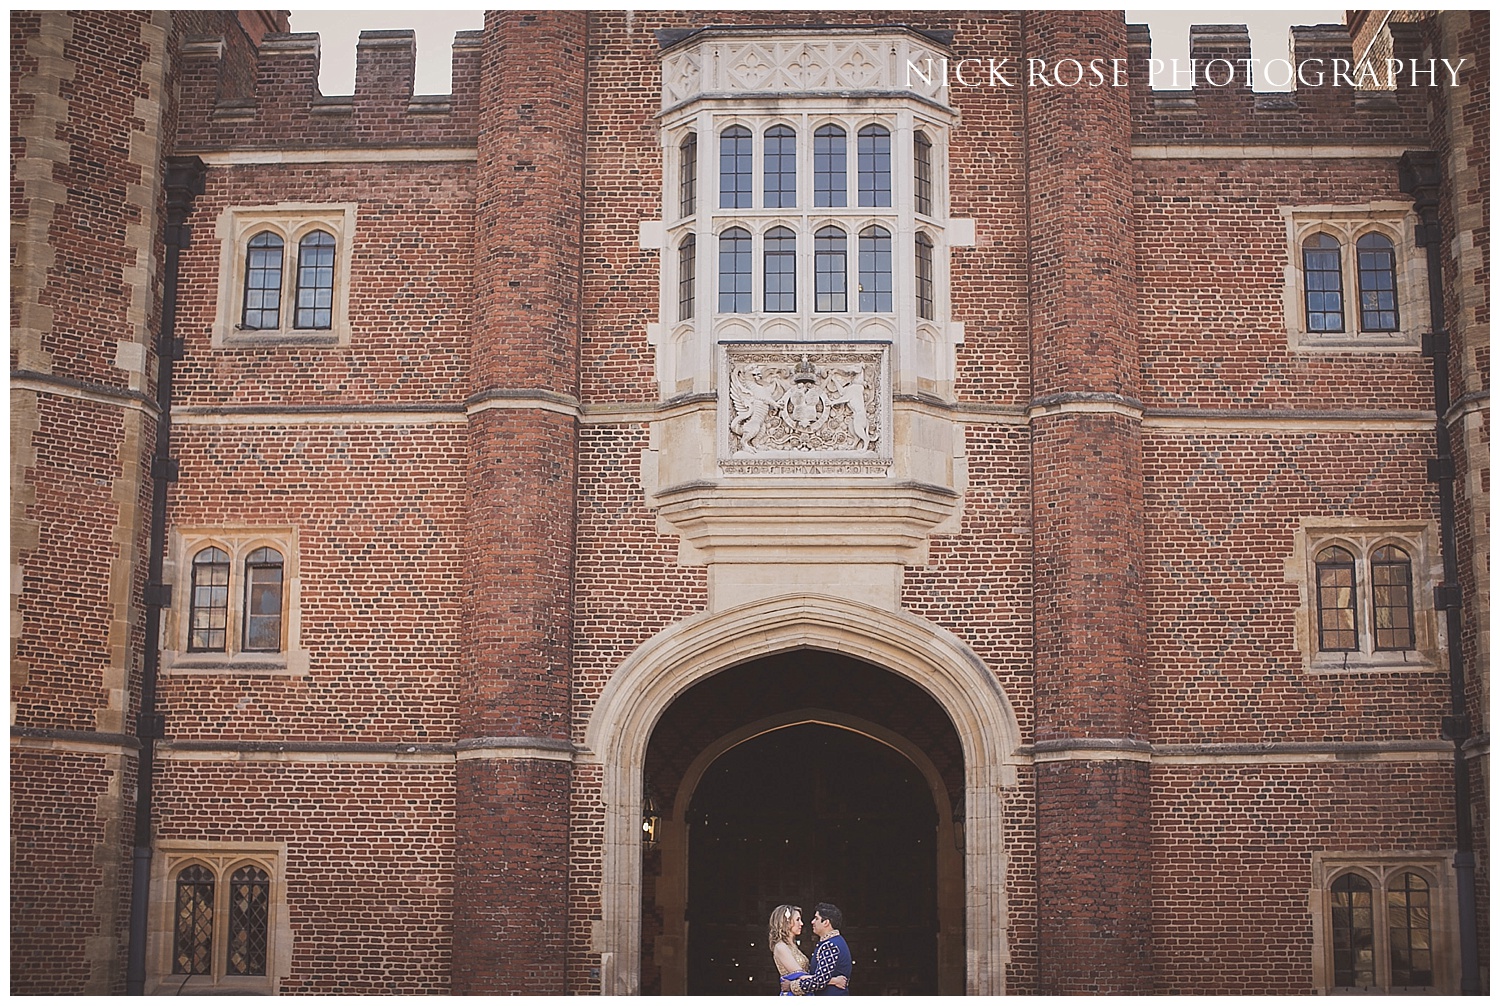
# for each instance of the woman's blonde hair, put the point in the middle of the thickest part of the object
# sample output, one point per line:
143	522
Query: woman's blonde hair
780	930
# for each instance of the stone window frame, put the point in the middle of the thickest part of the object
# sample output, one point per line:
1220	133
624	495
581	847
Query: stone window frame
291	222
1380	868
1347	224
221	859
239	542
1418	539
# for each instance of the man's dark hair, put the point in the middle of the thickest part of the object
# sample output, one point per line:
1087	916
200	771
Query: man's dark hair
831	913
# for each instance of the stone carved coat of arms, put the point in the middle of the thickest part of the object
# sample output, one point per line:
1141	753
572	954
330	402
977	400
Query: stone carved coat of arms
804	409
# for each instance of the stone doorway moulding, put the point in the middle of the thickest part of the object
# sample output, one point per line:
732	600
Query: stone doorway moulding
648	681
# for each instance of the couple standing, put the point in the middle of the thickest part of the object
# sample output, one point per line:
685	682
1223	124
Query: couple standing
831	963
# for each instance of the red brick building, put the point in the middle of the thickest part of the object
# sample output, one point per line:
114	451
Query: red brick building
512	540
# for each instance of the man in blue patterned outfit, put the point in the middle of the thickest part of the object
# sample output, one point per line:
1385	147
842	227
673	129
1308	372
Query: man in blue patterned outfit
829	960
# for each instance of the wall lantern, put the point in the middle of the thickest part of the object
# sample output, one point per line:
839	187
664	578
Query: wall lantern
650	819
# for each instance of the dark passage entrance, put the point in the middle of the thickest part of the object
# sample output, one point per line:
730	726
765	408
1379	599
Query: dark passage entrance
804	814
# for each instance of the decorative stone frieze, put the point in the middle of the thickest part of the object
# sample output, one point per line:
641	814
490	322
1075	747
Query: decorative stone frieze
804	409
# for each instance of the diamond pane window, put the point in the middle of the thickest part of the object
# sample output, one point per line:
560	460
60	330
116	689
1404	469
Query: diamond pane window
249	918
780	252
874	166
781	167
831	270
263	594
1323	284
830	166
193	922
1337	626
315	280
262	305
734	271
1390	581
875	269
1377	284
209	614
736	169
1353	932
1409	918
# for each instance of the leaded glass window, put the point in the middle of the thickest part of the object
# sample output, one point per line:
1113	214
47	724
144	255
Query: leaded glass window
1377	284
922	173
875	269
193	922
249	921
1390	583
1323	284
687	274
208	616
1409	918
688	182
734	271
831	270
315	280
874	166
263	596
780	167
1353	932
780	254
1337	626
736	169
262	304
830	166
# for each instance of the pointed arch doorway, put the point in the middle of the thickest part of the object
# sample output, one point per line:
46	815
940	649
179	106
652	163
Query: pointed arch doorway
771	805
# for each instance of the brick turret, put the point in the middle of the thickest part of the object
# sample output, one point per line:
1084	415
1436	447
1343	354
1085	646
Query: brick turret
1093	776
514	775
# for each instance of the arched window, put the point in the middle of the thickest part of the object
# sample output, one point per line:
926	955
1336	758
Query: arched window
687	275
830	166
1390	584
736	168
1323	284
781	167
315	281
688	176
193	922
875	269
263	582
1337	627
874	166
1377	284
1353	932
249	921
734	271
830	270
922	173
1409	919
925	298
262	302
208	615
780	254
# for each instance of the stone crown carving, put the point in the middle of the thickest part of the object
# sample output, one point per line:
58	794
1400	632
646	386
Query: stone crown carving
809	61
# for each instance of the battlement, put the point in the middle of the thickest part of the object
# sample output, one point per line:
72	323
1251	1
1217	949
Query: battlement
1210	96
278	104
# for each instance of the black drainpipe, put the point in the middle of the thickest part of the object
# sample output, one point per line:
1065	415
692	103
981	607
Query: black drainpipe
184	181
1422	179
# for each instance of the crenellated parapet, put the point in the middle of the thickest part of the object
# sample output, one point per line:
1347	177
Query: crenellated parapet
1209	97
284	109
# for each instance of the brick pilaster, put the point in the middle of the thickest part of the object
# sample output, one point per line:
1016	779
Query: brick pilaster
1093	775
514	777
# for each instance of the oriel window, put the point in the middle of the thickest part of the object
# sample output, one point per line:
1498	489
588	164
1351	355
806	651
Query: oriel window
831	270
736	169
687	272
874	166
875	269
830	166
734	271
922	172
780	167
688	175
780	252
926	307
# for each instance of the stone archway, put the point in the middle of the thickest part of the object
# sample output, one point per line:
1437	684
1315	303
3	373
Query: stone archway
649	680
